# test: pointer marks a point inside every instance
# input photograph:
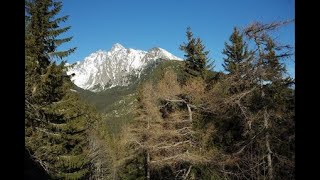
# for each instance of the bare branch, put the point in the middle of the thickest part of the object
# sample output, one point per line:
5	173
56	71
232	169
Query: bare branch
39	161
187	174
173	145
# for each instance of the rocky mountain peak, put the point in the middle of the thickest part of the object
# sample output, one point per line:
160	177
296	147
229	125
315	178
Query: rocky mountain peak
107	69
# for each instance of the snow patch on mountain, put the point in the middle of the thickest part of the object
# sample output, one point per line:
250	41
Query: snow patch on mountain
107	69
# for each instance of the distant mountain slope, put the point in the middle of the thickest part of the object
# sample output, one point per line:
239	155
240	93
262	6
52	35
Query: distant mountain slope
117	103
117	67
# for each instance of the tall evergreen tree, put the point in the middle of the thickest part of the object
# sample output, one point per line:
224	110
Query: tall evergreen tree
265	110
237	52
56	121
196	56
238	62
59	140
254	124
43	29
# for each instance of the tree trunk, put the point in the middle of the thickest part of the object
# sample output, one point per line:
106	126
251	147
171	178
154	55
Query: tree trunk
269	159
114	174
190	112
148	168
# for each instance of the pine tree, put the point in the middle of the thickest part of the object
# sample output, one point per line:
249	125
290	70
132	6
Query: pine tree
59	141
254	125
273	99
237	53
196	57
56	121
43	29
238	62
264	110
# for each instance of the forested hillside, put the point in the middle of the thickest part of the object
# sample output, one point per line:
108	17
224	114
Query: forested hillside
178	120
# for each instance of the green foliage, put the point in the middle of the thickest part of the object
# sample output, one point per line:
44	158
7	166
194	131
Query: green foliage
206	125
56	121
196	56
237	53
117	103
133	168
43	30
120	113
58	138
256	118
205	172
156	72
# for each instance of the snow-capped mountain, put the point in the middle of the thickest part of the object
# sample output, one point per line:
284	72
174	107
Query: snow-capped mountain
106	69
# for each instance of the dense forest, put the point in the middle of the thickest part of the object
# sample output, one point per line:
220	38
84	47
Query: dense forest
187	122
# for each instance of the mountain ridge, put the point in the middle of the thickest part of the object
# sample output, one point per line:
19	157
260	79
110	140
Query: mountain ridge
117	67
117	104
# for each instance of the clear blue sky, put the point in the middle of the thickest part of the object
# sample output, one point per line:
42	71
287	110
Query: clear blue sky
143	24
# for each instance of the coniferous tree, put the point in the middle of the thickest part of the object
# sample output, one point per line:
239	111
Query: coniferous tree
43	29
237	52
196	56
253	126
59	140
272	98
56	121
259	118
238	61
163	132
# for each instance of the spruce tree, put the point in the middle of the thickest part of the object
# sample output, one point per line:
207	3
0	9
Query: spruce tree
263	109
56	121
271	101
43	29
196	57
238	62
254	124
237	53
60	140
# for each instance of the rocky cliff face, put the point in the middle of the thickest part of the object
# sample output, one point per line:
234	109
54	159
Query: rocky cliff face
106	69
